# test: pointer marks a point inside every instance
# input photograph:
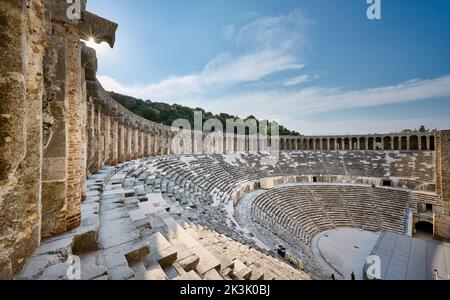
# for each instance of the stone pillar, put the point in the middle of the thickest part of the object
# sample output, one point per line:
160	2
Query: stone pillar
137	149
442	140
143	144
76	166
114	142
157	142
428	143
21	88
90	132
100	142
106	136
367	143
408	143
129	150
122	142
169	143
55	152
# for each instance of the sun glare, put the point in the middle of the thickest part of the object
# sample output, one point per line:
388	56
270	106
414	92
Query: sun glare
99	48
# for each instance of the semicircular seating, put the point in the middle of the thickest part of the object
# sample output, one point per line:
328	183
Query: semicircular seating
316	208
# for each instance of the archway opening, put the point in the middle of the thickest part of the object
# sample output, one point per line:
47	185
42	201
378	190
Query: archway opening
387	141
325	145
371	143
318	147
423	141
332	144
346	144
424	229
404	143
432	145
362	144
414	143
378	144
396	143
355	144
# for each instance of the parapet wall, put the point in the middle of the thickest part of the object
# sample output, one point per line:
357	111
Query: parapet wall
22	44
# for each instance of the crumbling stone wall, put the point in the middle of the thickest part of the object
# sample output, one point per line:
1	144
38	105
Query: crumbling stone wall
442	220
22	44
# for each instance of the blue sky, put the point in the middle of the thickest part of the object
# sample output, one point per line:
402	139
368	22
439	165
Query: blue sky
318	66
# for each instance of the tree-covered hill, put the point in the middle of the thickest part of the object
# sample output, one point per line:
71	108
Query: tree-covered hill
164	113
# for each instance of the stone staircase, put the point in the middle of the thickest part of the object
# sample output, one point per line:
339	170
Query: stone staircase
129	232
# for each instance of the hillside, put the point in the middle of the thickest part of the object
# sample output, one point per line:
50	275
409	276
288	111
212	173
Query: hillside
165	113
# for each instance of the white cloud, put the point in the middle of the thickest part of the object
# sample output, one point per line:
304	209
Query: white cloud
271	45
264	47
364	126
228	31
226	69
285	32
297	80
317	100
173	88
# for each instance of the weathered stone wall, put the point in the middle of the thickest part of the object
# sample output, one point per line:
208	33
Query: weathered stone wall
443	168
55	144
22	44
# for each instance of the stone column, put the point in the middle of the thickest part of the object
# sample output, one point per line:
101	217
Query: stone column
121	142
21	88
76	166
408	143
91	141
114	142
106	135
55	152
99	142
442	154
157	141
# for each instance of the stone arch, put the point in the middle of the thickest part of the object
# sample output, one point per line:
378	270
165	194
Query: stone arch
414	142
371	143
387	141
396	143
339	144
423	141
362	143
311	144
346	144
332	144
404	143
325	145
424	227
378	143
355	144
318	145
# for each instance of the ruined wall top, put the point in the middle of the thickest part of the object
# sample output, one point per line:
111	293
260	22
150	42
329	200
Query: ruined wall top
90	26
